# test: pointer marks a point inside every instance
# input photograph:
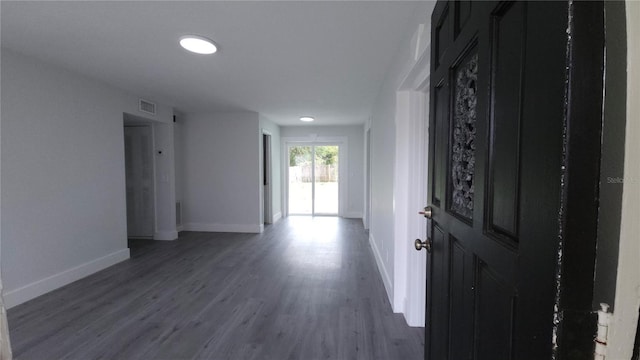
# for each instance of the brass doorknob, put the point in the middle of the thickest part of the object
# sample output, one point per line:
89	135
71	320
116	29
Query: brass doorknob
419	244
428	212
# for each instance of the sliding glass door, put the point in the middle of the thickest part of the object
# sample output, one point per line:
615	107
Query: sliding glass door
300	180
325	180
313	179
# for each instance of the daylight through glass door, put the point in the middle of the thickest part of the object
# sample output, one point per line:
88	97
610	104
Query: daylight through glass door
313	179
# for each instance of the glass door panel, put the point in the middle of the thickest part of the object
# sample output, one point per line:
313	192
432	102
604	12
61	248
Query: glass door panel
300	180
326	180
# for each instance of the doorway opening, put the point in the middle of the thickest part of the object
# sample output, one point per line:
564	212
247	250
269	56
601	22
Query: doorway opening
139	174
313	179
367	180
267	197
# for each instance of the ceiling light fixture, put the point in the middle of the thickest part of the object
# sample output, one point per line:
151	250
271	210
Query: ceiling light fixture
307	119
198	44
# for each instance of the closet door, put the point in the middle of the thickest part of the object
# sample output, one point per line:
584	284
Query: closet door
139	180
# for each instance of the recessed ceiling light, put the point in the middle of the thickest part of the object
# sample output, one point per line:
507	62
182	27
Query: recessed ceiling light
198	44
307	119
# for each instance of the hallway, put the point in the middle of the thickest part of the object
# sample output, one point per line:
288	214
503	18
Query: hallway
306	288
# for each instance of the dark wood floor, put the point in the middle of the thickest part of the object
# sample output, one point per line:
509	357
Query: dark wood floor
306	288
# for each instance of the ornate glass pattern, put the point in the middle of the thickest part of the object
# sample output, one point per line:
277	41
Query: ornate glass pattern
463	138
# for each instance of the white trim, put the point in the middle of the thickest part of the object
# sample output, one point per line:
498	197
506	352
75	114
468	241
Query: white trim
180	228
235	228
419	73
417	226
43	286
627	299
410	195
366	216
165	235
352	215
410	190
156	178
401	194
386	279
276	217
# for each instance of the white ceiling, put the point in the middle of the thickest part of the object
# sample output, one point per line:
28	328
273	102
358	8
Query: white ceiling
282	59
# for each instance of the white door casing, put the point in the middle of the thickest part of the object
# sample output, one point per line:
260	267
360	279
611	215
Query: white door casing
410	190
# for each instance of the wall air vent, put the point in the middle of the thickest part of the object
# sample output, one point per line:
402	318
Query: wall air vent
146	106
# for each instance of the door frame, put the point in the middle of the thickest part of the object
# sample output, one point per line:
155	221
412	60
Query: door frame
627	297
366	216
163	174
266	170
410	190
314	140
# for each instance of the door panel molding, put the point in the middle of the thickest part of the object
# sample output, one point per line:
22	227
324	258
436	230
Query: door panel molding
507	68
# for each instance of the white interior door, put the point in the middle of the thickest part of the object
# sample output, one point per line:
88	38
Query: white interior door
139	181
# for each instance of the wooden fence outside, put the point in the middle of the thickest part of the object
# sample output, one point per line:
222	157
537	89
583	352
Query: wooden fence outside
324	173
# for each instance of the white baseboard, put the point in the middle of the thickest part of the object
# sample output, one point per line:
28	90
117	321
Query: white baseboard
386	279
238	228
43	286
165	235
276	217
413	317
352	215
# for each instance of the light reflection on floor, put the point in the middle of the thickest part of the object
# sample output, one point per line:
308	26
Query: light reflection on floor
316	244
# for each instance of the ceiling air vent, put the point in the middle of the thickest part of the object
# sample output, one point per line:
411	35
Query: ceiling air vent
148	107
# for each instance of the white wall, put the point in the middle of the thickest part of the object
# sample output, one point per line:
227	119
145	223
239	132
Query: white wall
221	167
627	302
276	182
383	164
63	193
355	160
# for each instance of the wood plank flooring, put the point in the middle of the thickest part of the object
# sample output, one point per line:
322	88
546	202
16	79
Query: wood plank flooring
306	288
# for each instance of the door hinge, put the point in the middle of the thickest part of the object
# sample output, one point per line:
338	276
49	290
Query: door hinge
604	318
